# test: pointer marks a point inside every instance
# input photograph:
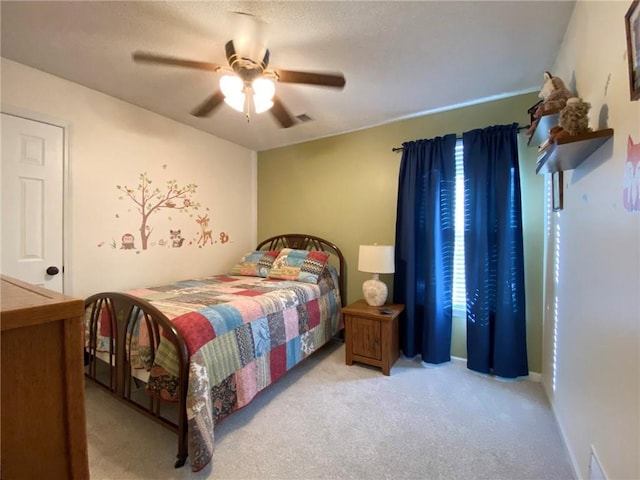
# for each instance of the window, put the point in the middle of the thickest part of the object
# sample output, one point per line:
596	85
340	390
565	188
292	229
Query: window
459	292
553	237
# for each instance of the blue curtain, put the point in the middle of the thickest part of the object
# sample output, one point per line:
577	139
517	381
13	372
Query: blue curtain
425	246
494	264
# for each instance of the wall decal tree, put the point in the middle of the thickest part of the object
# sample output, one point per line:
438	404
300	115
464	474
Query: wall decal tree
149	200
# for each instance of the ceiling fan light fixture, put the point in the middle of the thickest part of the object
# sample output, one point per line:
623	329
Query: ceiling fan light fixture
264	88
236	101
263	92
231	85
261	105
232	88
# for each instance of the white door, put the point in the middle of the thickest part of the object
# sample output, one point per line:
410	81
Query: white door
32	201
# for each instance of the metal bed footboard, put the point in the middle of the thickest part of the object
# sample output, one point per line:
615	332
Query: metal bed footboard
112	369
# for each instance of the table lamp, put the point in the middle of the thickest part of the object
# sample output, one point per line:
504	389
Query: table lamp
375	259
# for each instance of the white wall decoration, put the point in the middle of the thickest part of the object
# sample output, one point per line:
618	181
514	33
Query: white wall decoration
631	189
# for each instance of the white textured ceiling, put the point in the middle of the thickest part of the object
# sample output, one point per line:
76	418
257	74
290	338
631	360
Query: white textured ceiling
400	59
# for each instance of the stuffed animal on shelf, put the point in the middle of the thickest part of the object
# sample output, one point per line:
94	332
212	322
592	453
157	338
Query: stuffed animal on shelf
572	120
574	117
554	94
555	133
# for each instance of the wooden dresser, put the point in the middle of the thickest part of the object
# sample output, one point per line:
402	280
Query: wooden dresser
42	400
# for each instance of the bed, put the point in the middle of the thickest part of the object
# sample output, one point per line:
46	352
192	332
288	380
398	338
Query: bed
189	354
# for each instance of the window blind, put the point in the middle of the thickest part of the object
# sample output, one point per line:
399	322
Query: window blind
459	291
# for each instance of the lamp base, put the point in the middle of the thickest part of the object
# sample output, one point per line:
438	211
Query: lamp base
375	292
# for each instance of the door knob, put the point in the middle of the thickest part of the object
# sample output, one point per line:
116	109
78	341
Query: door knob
52	270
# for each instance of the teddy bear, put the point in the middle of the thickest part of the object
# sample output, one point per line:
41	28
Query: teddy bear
574	117
572	120
554	94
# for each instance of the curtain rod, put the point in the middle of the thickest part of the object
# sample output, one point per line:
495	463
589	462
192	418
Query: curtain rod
458	137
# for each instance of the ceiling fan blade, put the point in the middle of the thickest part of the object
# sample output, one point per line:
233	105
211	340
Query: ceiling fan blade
230	53
206	107
147	57
311	78
281	114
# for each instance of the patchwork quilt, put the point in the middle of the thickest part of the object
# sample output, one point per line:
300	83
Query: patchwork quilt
243	333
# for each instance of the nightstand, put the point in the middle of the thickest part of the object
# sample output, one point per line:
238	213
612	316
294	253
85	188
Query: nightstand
371	337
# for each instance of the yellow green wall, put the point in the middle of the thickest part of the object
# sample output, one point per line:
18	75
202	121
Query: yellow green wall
344	189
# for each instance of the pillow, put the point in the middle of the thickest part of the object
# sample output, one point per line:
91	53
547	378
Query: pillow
299	265
255	264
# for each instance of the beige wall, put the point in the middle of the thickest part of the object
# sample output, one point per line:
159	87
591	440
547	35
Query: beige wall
592	345
111	143
344	189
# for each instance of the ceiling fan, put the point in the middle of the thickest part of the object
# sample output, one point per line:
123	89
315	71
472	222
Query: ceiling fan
247	84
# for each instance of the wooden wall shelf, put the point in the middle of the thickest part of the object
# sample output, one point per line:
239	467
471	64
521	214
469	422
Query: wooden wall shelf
566	153
548	120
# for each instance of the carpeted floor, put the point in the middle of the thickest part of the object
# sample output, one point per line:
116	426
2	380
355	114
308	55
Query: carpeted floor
326	420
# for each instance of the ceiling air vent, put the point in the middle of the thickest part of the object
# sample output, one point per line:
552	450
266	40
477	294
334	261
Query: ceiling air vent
303	117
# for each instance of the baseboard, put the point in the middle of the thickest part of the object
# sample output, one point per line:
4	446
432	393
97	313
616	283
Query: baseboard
535	377
532	377
563	436
459	361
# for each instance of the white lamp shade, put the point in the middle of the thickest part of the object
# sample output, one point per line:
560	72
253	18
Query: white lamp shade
236	101
376	259
263	92
264	88
231	85
261	105
235	93
232	89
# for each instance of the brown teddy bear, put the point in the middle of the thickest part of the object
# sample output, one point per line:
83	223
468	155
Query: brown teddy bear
574	117
572	120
